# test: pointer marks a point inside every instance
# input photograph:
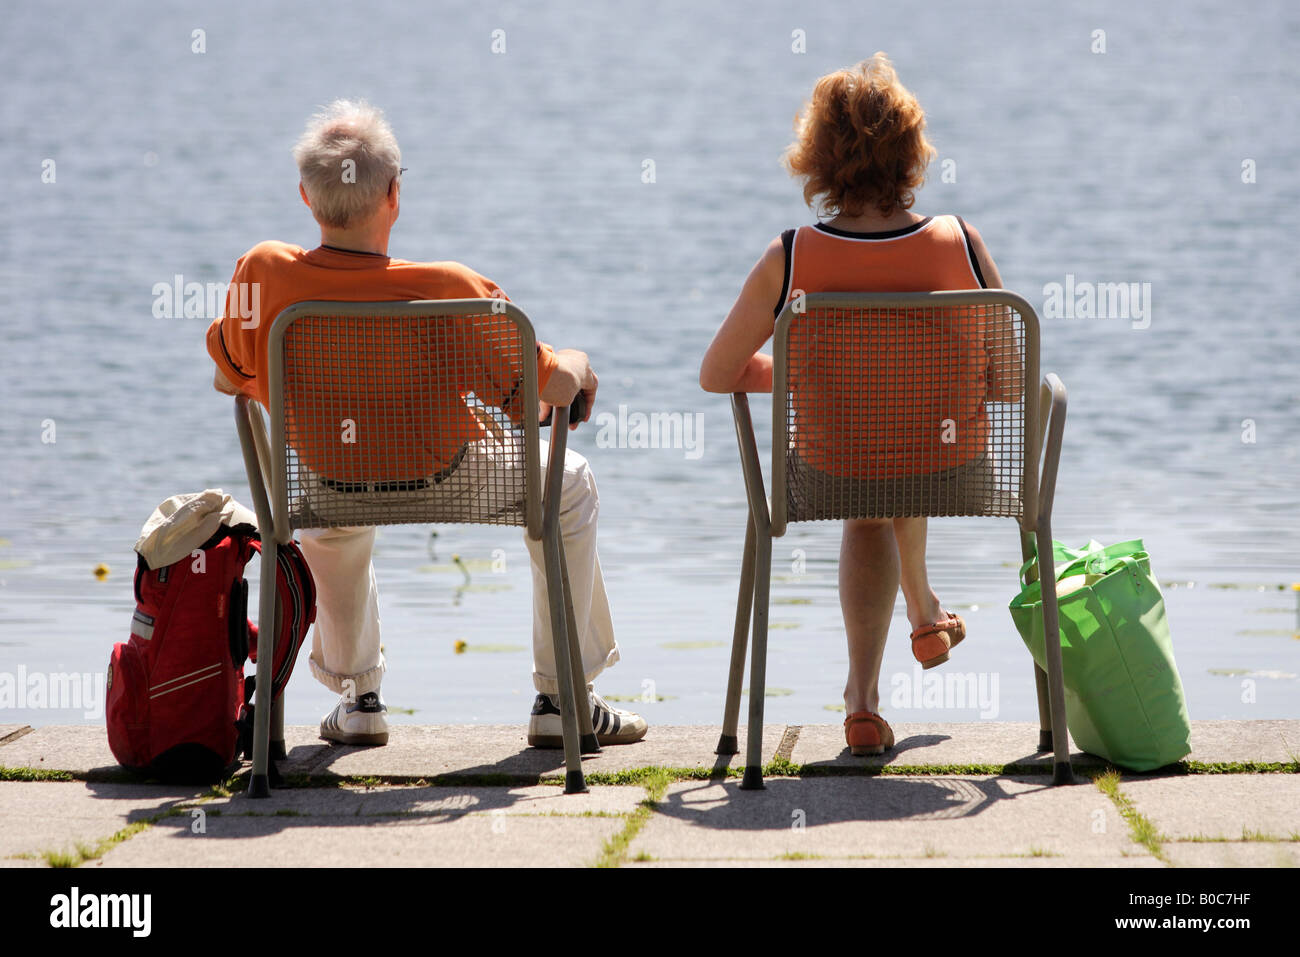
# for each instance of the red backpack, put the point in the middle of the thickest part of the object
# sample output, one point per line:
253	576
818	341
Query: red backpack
178	701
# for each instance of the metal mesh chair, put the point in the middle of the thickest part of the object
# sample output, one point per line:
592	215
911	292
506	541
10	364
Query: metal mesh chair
389	413
888	405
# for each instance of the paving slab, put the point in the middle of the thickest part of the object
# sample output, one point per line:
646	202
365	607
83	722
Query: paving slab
458	840
37	816
944	862
415	751
952	818
426	801
304	746
1218	805
1233	854
81	749
936	744
422	750
1010	742
12	732
1272	741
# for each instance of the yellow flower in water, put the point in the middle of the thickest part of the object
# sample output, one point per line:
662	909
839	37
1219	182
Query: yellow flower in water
460	646
101	571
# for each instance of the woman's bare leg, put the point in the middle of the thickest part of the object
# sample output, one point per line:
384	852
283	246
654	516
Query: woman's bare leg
876	557
869	577
922	603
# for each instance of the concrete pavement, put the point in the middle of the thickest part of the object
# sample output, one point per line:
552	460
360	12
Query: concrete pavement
949	795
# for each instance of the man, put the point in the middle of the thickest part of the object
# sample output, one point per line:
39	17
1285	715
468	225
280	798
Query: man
350	167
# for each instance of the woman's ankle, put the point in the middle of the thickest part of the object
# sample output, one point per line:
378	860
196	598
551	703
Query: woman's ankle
861	701
924	612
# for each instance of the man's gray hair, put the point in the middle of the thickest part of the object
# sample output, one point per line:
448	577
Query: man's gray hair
346	157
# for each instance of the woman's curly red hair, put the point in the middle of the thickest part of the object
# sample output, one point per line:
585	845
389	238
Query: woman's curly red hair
860	141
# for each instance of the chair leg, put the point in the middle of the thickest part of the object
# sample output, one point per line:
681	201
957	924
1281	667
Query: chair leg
728	742
1027	551
1044	709
574	782
753	779
1061	770
586	733
259	783
278	750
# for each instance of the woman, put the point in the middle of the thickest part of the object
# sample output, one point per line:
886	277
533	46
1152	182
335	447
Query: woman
862	149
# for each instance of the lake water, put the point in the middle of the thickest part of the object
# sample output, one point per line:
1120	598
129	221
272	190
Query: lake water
1168	159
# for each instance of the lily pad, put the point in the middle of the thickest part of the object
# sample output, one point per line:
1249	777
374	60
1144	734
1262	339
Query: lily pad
1236	672
770	692
792	601
1241	586
473	564
834	707
691	645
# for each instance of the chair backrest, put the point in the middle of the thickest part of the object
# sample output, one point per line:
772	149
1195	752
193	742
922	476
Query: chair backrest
403	412
905	404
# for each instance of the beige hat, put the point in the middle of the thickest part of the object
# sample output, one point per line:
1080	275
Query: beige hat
184	522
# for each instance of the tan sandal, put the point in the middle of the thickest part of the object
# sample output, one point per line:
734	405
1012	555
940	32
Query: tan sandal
931	643
867	733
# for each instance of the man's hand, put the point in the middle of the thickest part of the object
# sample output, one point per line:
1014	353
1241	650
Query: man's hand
573	374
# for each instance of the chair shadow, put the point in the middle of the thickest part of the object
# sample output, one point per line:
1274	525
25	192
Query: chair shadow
520	768
825	799
845	788
835	791
335	802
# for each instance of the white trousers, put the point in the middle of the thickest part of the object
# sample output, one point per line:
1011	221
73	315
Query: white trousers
345	653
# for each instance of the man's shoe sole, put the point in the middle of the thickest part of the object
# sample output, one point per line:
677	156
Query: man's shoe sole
557	741
342	737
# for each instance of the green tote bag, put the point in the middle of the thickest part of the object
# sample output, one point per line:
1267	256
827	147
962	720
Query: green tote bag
1123	698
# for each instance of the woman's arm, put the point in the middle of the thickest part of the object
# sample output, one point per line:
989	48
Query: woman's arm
732	362
1006	381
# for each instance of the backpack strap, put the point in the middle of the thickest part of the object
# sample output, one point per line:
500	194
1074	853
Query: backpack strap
296	602
244	724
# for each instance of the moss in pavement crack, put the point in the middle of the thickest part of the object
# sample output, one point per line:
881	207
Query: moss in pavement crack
614	852
1142	829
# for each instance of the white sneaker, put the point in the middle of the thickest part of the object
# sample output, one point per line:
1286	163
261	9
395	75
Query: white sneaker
363	721
612	726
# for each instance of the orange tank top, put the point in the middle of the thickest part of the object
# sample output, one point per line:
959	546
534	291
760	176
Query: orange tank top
850	416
